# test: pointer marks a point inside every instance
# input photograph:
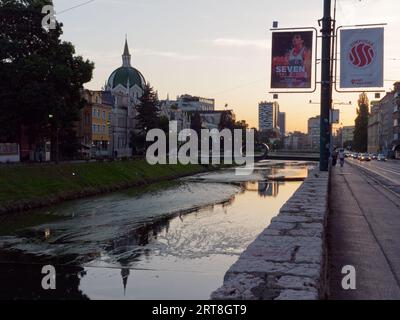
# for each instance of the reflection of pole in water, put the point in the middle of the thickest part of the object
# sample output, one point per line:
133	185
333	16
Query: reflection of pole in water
125	275
268	189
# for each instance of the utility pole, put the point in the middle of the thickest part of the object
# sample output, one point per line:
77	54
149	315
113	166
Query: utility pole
326	87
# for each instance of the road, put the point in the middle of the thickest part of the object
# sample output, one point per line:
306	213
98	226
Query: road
364	229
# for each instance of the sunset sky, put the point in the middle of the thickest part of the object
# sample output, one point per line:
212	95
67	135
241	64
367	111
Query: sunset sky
215	48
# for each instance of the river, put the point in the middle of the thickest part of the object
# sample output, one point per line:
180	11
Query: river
175	241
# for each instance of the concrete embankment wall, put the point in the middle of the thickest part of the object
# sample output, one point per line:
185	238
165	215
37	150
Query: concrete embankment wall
288	259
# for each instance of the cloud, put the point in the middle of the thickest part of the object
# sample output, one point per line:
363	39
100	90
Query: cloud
166	54
181	56
231	42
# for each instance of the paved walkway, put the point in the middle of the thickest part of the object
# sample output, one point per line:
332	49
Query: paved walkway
364	232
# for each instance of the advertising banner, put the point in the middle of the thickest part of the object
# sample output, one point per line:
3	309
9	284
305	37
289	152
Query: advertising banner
292	60
361	58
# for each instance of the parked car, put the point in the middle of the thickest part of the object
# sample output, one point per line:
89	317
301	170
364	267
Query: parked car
381	157
365	157
374	156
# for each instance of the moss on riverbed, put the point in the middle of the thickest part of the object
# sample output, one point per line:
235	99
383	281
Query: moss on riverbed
29	186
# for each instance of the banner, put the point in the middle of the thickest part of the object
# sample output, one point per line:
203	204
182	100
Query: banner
292	60
361	58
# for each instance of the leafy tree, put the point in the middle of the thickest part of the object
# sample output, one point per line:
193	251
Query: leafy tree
226	121
163	124
196	123
360	142
148	111
40	76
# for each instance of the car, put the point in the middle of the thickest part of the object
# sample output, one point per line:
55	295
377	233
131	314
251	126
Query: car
374	156
381	157
365	157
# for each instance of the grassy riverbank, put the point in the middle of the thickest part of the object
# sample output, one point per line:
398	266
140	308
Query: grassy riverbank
28	186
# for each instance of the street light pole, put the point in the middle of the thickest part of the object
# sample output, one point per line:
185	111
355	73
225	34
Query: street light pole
326	88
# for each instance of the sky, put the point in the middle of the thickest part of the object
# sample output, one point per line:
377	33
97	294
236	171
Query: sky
215	48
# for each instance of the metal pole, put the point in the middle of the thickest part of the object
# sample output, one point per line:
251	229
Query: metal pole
326	90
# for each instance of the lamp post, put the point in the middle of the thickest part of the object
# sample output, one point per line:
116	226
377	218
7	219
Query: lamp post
326	87
51	116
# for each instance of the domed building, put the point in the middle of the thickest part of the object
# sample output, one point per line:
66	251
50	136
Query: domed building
126	78
126	85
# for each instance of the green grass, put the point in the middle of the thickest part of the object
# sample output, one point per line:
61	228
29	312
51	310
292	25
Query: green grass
33	182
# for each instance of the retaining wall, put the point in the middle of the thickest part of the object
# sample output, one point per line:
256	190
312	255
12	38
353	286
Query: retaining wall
288	259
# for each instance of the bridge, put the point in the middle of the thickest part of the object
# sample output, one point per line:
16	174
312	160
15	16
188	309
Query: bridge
295	156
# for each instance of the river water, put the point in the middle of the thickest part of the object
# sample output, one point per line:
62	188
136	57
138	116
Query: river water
175	241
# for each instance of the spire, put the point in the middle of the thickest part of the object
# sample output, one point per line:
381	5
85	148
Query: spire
126	57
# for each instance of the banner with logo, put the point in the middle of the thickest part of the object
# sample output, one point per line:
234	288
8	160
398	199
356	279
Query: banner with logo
292	54
361	58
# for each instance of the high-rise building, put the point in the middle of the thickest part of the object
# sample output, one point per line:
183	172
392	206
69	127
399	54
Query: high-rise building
268	116
282	123
314	129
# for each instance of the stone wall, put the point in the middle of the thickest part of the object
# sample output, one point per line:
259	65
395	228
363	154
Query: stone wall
288	259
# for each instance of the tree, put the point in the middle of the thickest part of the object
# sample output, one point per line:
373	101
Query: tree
360	142
148	111
196	123
226	121
41	78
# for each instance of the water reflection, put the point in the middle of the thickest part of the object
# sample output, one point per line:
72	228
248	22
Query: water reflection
174	243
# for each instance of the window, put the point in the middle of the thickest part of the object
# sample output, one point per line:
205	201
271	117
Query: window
396	122
94	112
104	115
94	128
104	129
396	136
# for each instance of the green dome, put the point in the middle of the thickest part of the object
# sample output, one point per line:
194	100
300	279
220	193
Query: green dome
121	76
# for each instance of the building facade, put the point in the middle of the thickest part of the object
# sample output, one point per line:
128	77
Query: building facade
348	134
268	113
212	119
314	129
93	129
282	123
296	141
126	85
396	121
188	103
170	110
374	129
382	123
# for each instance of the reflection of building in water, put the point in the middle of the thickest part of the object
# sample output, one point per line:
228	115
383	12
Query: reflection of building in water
269	189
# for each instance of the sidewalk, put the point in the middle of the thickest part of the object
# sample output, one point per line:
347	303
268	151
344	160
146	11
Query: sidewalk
364	232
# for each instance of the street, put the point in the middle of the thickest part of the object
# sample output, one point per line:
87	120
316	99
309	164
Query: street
364	229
